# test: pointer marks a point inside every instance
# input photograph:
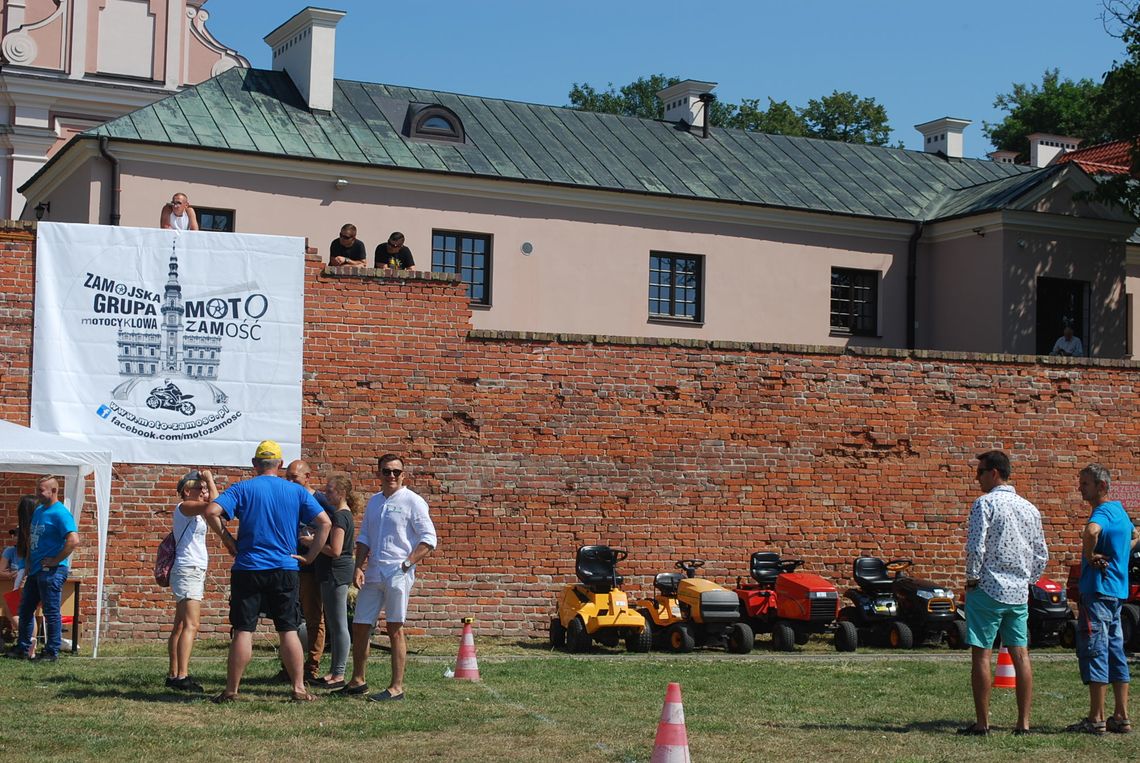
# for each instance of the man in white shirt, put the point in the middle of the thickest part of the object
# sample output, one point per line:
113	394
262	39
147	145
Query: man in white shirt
396	534
1068	345
1005	552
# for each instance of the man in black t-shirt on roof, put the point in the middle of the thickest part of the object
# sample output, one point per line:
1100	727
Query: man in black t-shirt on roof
347	249
394	254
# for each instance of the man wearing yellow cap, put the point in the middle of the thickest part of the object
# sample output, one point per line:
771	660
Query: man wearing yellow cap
264	576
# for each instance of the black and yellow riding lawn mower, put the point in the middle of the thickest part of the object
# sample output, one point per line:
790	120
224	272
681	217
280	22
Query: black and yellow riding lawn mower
596	609
688	611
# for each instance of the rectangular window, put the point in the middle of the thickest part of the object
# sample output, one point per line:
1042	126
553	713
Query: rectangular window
854	302
215	219
469	255
675	286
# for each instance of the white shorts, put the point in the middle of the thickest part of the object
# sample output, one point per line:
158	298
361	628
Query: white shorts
188	583
390	595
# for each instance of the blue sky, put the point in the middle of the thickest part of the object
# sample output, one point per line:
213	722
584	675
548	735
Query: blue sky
920	59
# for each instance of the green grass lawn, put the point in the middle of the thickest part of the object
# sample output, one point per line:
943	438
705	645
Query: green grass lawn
535	705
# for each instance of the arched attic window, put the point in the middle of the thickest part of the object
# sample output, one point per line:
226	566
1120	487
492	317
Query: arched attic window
435	122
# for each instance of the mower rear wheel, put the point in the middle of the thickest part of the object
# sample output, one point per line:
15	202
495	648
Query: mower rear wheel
900	636
641	641
802	637
740	638
577	639
783	637
680	638
1130	622
956	634
846	636
557	633
1067	636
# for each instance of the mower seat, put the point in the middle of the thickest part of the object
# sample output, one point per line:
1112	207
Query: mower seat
871	575
596	567
667	582
765	568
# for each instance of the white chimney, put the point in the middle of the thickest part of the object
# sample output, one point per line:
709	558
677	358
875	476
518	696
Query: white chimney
304	47
943	136
1044	148
1003	157
683	102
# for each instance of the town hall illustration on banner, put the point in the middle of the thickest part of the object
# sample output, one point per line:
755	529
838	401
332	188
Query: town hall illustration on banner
171	369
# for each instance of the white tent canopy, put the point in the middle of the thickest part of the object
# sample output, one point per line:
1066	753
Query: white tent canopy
28	451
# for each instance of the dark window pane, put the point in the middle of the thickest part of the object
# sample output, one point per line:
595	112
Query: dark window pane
674	286
468	255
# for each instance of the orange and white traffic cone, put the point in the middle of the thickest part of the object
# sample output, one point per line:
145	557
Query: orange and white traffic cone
1005	677
466	666
672	743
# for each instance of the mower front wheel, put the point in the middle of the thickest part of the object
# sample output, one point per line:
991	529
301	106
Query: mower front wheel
557	633
1130	623
956	635
680	638
1067	636
783	637
577	639
740	638
846	636
642	641
900	636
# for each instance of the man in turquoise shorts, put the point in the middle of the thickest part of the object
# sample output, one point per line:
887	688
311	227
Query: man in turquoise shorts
1005	552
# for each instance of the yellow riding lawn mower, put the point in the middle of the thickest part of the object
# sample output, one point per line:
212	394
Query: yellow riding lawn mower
596	609
688	611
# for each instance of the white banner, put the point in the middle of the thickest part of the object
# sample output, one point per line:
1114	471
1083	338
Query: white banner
169	347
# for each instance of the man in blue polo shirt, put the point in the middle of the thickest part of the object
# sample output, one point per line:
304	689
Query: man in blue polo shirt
264	573
1106	545
53	537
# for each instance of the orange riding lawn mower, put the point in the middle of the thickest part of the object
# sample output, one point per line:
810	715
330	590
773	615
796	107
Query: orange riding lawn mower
596	609
687	612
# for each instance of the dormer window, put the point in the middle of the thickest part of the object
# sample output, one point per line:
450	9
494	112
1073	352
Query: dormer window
434	122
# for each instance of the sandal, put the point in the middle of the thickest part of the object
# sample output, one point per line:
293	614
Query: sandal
223	698
973	731
303	697
1118	725
1085	726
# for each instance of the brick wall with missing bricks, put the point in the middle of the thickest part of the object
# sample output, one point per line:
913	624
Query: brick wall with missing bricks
527	446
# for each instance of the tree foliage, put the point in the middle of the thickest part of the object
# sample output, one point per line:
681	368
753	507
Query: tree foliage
840	116
1057	106
1120	101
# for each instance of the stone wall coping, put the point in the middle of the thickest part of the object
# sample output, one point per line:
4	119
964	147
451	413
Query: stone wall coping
353	271
490	335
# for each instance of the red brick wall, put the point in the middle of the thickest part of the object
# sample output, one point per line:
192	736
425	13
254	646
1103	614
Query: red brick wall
527	446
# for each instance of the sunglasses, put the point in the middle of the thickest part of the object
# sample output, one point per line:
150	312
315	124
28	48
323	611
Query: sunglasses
395	243
391	472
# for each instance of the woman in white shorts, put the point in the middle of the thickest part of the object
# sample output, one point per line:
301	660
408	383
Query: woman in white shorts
188	576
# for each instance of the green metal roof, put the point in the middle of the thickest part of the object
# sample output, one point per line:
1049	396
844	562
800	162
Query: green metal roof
251	110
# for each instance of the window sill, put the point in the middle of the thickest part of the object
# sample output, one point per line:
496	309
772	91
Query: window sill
479	305
675	322
850	335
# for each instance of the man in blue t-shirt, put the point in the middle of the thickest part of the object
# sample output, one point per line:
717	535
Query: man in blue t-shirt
1106	545
52	538
264	573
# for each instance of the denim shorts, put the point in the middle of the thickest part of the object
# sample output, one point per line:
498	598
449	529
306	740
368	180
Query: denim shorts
1100	641
986	617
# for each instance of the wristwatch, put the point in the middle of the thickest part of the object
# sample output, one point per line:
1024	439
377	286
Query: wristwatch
404	566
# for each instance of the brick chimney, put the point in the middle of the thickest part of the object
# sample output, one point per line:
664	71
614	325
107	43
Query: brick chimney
304	47
944	136
683	102
1044	148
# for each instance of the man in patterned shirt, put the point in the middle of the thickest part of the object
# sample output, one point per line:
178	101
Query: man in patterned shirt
1005	552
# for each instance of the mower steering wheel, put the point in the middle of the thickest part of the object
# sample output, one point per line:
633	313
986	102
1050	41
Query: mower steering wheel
790	565
690	566
619	553
898	565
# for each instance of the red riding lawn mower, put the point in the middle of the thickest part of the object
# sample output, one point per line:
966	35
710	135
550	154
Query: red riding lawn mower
1129	610
792	605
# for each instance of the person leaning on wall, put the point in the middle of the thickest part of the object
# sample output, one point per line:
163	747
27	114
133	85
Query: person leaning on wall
177	214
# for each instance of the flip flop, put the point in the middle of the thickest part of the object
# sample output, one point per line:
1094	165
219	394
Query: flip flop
303	697
973	731
223	698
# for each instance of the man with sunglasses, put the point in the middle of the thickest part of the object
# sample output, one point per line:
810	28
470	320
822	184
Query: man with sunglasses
178	214
347	249
393	255
396	534
1005	552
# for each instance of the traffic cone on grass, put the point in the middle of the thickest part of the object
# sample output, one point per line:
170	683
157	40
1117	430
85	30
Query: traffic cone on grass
1004	676
466	665
672	743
